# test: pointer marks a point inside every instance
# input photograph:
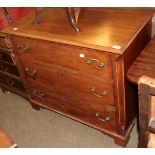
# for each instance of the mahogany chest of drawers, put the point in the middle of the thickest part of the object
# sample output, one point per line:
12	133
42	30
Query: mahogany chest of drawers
83	76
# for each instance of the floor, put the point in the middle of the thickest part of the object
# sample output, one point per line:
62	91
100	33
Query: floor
34	129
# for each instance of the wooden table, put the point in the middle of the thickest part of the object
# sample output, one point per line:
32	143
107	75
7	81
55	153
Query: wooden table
142	73
144	64
5	140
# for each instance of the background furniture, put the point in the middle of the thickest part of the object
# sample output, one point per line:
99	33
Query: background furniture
142	72
5	140
146	87
83	76
10	79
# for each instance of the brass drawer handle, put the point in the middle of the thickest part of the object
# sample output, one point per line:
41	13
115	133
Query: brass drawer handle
99	64
39	94
23	49
103	93
105	119
30	72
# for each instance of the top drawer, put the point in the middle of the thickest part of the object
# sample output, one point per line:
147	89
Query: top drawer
81	59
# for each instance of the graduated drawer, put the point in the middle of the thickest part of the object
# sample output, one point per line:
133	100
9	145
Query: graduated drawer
10	82
77	85
82	59
93	114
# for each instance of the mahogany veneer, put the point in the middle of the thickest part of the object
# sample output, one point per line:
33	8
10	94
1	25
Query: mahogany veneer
83	76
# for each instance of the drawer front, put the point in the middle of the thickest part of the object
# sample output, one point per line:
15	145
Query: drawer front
10	82
86	60
95	114
11	69
73	83
3	42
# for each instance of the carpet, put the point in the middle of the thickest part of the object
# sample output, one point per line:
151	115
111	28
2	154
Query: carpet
46	129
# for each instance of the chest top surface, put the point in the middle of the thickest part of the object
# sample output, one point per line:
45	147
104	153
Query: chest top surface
101	29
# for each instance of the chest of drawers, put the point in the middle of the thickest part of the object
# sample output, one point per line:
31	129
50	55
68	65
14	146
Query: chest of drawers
83	76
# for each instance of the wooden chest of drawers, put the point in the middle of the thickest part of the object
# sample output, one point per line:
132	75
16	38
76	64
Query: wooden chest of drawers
9	76
83	76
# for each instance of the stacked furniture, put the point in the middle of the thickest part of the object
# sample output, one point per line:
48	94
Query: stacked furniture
83	76
10	79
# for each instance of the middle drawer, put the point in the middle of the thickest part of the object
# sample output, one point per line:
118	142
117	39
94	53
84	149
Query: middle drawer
78	86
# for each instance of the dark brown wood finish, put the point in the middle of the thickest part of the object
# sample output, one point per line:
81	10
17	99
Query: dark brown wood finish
83	76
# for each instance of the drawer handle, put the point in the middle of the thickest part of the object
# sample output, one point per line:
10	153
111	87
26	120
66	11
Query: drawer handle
39	94
103	93
30	72
105	119
99	64
23	49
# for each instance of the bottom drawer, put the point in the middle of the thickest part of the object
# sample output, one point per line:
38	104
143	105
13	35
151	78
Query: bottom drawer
10	82
96	115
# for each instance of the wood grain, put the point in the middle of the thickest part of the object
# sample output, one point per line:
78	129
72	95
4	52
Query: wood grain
100	28
65	55
47	56
144	64
71	82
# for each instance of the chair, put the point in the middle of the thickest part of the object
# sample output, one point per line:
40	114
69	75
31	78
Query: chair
146	86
